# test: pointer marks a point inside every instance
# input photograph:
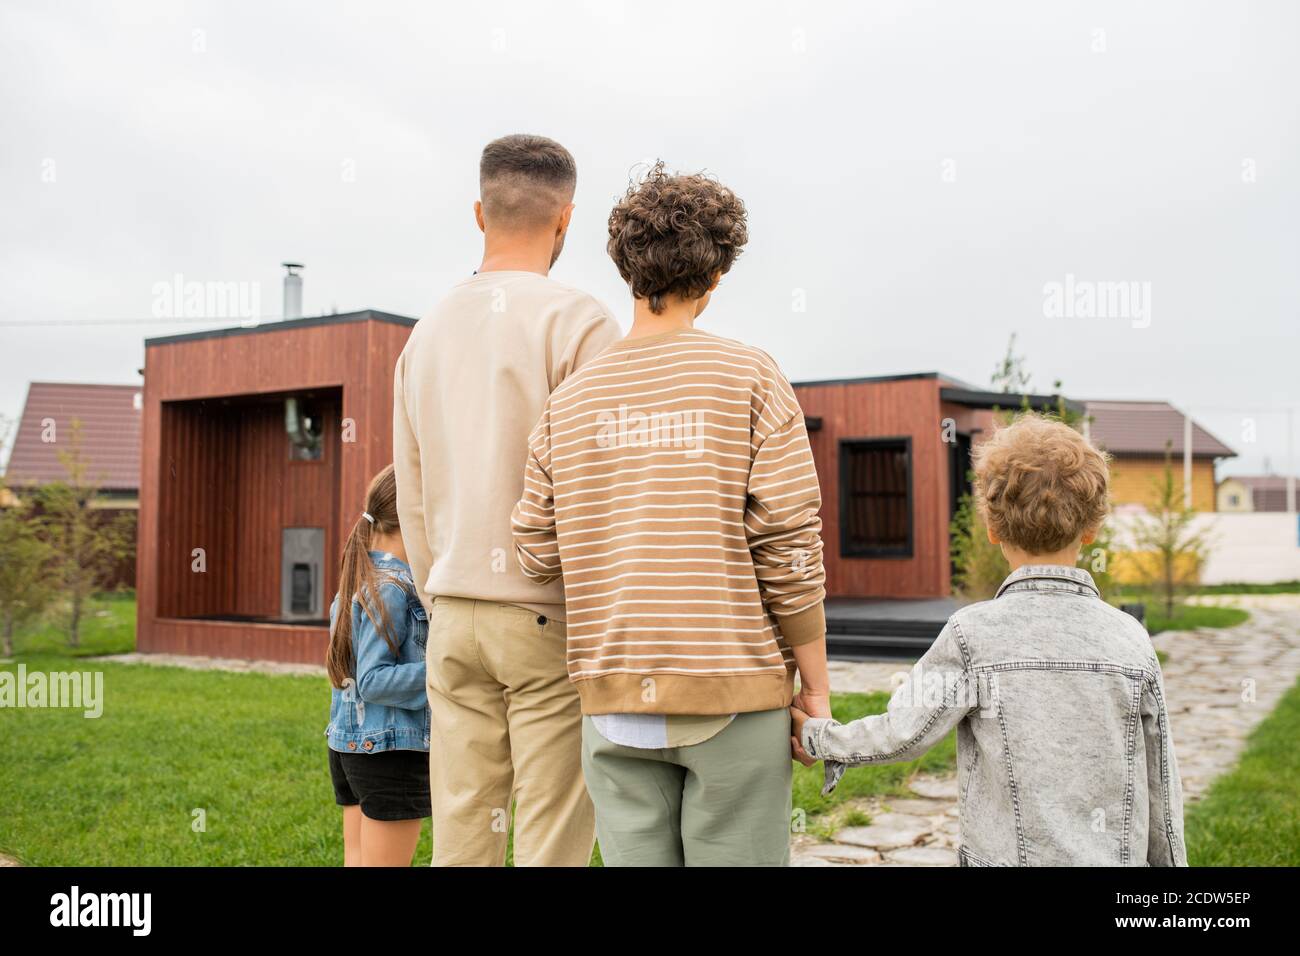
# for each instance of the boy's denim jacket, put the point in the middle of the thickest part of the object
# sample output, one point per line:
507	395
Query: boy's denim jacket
385	707
1064	756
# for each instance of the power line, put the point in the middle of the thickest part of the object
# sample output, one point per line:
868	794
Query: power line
149	320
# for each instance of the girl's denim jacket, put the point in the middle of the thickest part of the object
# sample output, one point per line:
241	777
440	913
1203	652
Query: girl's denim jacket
385	707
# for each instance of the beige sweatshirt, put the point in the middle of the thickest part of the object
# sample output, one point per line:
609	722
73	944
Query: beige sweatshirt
468	387
671	483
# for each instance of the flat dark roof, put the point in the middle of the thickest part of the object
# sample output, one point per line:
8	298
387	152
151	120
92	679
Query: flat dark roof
867	378
365	315
974	398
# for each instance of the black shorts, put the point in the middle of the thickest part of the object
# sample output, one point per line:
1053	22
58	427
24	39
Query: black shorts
389	785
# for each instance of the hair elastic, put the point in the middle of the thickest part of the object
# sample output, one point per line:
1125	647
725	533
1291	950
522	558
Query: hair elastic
369	517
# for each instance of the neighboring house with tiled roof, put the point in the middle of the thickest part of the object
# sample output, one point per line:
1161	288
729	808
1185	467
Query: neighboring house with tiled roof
109	418
1254	493
1137	435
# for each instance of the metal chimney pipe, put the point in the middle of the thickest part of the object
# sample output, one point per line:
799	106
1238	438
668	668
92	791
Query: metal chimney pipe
292	290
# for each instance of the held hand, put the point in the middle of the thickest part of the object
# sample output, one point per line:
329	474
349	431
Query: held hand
813	703
797	719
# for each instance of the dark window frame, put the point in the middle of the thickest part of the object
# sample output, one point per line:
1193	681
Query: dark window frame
847	549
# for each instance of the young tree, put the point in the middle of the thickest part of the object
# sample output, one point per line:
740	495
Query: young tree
26	585
1011	376
1168	535
978	564
26	569
88	542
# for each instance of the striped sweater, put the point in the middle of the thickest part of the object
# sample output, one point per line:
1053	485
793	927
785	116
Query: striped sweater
670	482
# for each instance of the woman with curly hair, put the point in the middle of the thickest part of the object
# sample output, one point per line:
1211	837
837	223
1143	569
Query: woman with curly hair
671	484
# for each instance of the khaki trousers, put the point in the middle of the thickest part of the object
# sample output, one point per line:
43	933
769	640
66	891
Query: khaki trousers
506	729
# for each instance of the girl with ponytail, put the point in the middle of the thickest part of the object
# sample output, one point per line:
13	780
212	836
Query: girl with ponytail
379	715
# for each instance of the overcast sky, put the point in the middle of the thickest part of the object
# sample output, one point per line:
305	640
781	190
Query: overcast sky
917	175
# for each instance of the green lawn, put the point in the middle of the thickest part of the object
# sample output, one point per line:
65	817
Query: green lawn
107	627
1251	816
1188	616
248	749
120	790
1280	587
245	748
1133	592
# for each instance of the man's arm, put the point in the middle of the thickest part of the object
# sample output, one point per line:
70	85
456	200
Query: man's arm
533	520
410	486
1165	846
582	339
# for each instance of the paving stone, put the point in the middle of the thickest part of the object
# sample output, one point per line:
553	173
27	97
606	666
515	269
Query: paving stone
924	856
880	837
919	806
901	821
843	853
936	788
804	858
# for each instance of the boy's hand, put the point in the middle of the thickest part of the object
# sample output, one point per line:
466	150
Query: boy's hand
797	719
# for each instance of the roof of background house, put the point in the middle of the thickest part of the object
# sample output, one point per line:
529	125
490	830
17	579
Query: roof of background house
280	325
110	434
1261	482
1144	428
868	379
952	389
1267	492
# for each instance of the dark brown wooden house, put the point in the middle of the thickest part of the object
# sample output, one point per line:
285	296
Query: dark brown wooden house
893	455
258	445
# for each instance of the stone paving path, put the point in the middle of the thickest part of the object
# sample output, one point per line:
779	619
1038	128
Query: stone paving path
235	665
1220	683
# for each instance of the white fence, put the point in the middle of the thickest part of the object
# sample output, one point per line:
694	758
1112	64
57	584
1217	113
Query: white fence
1250	547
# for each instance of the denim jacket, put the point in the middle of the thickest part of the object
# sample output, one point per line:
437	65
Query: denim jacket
1064	756
385	706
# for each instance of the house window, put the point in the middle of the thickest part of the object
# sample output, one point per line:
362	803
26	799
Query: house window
876	497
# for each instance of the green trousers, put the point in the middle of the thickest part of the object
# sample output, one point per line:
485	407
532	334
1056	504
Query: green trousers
723	802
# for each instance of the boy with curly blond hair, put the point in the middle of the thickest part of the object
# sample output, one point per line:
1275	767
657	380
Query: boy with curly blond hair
1064	755
671	483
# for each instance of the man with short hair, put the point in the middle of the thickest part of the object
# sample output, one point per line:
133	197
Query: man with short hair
468	388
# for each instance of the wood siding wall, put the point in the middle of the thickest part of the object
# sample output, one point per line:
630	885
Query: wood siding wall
1133	479
220	473
907	408
195	508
